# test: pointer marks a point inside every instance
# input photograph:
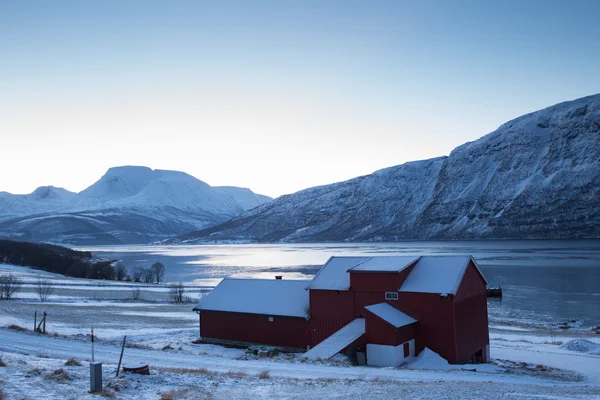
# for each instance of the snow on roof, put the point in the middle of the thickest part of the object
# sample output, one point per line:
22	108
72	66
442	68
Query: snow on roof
334	274
385	264
391	315
338	341
437	274
281	297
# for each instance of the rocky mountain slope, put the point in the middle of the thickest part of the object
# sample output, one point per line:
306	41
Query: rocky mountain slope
537	176
126	205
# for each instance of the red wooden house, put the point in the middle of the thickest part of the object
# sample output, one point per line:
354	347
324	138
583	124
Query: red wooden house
393	306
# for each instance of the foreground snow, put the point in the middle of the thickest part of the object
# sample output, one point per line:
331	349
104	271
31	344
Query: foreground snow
528	364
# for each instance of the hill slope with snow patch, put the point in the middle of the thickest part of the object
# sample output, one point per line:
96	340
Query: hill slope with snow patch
537	176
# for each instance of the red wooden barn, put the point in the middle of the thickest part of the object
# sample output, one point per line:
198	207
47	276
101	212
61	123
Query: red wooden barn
392	306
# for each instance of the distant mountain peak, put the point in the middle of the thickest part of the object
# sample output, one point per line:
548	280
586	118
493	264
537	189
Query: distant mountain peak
128	204
50	193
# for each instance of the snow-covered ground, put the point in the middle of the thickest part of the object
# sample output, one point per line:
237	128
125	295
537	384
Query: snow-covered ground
528	363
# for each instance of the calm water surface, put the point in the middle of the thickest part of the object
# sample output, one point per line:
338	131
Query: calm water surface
544	282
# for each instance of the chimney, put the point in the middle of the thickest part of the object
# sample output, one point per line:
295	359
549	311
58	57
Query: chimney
278	277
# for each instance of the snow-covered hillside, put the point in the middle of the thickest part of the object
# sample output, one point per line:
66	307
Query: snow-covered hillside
537	176
127	205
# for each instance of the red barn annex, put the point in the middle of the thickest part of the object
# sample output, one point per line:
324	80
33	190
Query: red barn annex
392	306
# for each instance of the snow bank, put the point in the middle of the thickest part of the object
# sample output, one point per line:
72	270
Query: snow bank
582	346
429	359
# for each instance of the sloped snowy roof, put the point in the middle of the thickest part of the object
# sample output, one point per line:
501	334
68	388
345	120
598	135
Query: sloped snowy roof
334	274
281	297
437	274
338	341
391	315
385	264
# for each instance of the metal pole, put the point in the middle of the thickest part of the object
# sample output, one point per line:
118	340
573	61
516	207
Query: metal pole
34	321
92	344
121	358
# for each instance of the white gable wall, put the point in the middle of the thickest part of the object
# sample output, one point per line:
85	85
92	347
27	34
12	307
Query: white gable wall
379	355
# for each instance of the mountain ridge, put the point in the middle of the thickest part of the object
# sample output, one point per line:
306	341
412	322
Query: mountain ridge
536	176
128	204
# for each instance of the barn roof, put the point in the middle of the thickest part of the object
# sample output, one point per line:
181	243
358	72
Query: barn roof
391	315
385	264
277	297
438	274
334	274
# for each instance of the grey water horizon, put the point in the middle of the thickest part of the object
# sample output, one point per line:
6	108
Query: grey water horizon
545	282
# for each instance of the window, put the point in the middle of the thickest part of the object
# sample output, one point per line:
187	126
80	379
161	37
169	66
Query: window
391	295
270	319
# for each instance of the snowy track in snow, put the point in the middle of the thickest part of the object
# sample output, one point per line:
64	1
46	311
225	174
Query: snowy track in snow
54	348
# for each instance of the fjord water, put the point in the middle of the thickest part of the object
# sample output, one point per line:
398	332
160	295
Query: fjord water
544	282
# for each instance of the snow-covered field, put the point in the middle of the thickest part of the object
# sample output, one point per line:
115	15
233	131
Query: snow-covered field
528	363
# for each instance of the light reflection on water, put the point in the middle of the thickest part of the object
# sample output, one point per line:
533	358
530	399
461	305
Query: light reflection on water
543	281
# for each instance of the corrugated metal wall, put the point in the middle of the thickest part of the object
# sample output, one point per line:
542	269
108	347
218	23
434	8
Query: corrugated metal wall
254	328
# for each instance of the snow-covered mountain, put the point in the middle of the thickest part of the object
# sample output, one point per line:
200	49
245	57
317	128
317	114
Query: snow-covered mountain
127	205
537	176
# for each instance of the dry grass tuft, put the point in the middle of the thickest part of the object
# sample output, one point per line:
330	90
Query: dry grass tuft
236	374
107	393
72	361
17	328
34	372
59	375
2	363
138	346
328	380
174	394
168	347
264	375
2	395
200	371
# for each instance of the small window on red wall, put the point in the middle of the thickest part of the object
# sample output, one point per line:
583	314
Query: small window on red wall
391	295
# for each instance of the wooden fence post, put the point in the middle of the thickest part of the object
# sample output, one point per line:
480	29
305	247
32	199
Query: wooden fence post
121	358
35	321
45	322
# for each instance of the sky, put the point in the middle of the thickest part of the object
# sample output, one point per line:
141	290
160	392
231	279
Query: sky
276	96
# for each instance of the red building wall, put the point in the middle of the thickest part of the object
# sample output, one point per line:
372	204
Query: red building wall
378	281
381	332
436	322
330	310
255	328
470	313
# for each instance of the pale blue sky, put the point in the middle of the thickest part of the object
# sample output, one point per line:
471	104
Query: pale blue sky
276	96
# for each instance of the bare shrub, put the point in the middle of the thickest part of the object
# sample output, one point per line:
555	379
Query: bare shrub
137	273
59	375
121	273
176	292
264	375
158	270
136	293
17	328
9	285
44	288
148	276
72	361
